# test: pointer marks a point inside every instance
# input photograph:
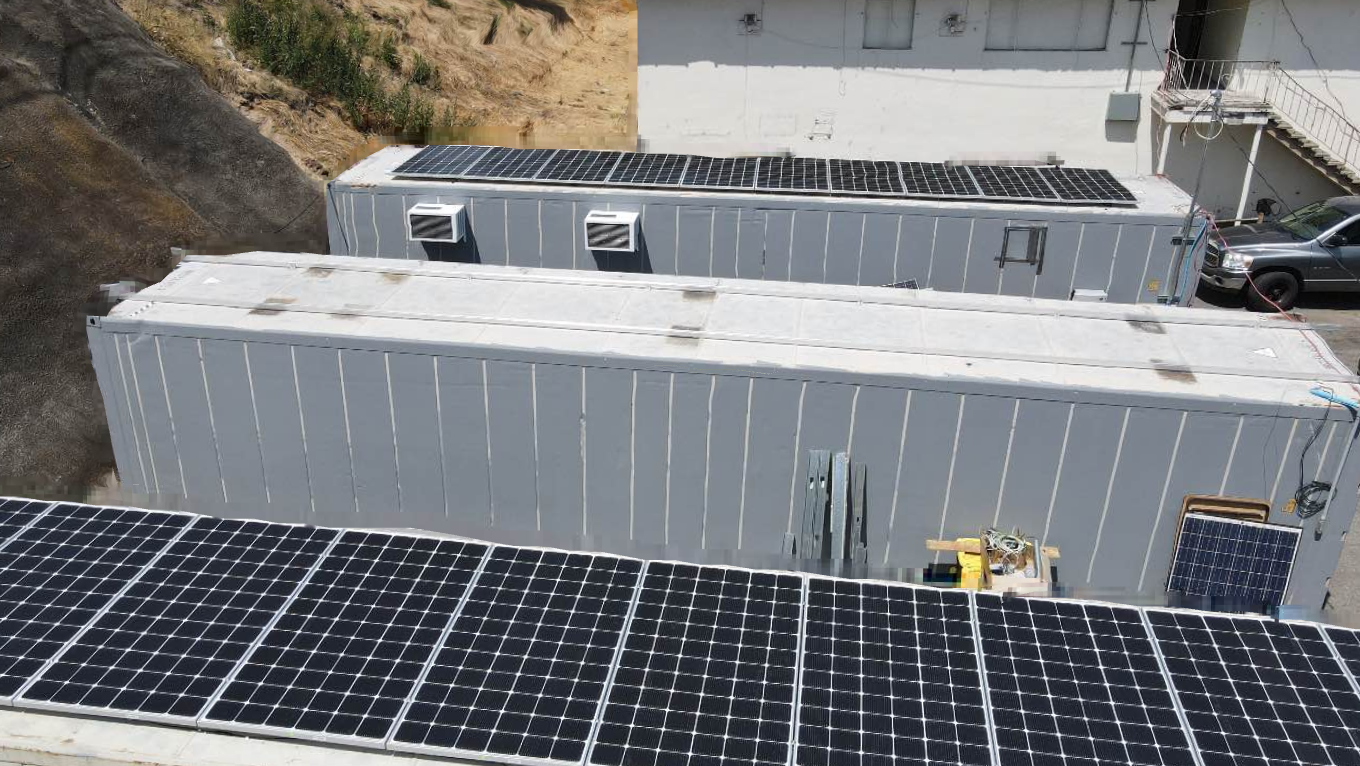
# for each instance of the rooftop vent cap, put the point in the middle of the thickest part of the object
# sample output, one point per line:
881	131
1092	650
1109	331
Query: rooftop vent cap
428	222
612	231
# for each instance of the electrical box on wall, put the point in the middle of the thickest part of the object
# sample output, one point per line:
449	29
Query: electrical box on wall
1124	107
611	231
435	223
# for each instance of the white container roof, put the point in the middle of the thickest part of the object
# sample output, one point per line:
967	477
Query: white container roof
1232	356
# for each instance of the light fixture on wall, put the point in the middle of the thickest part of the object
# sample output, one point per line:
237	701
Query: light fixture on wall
953	24
750	24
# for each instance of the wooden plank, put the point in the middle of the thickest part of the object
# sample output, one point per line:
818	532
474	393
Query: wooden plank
840	494
815	499
859	544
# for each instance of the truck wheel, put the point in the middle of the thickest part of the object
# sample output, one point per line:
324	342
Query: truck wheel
1280	287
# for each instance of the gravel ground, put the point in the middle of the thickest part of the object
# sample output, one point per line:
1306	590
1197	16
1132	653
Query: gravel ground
1337	318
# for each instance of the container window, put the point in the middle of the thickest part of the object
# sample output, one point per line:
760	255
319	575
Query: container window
1048	25
1024	244
888	24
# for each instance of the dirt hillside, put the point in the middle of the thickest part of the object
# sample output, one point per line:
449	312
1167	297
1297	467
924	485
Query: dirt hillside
526	72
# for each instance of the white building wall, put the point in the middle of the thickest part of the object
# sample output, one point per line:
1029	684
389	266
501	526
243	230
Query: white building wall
806	84
1330	28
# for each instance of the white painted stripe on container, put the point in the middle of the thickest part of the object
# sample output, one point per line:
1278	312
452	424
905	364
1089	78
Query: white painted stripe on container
1285	457
255	413
349	440
406	244
575	243
490	470
302	430
1006	465
745	461
967	256
708	457
1057	472
793	222
174	435
1161	501
392	418
677	241
859	259
949	478
1114	252
1109	492
127	397
797	448
930	266
1072	284
505	215
533	407
670	420
632	456
212	421
1326	449
540	232
826	244
377	230
1232	453
1147	264
854	412
897	480
585	477
439	426
712	225
897	251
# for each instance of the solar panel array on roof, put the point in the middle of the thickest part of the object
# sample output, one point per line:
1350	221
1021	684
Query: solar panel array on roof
529	656
800	175
1237	562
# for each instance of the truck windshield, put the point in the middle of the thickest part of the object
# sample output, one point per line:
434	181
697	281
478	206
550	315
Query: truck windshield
1310	221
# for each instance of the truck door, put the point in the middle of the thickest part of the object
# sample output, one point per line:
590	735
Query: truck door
1336	260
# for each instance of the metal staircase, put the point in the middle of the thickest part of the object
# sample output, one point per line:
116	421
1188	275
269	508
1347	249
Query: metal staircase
1262	91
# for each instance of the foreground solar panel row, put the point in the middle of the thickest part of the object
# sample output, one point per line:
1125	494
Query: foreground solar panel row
1053	185
527	656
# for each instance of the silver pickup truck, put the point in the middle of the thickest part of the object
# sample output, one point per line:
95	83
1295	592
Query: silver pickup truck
1315	248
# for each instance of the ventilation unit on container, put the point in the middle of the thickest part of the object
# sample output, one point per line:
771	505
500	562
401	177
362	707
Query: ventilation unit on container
610	231
435	223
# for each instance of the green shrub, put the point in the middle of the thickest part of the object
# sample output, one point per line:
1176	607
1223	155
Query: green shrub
323	52
388	53
440	3
424	73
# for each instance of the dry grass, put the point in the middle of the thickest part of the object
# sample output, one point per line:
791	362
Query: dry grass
558	72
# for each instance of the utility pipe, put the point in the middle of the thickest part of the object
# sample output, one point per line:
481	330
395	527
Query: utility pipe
1354	408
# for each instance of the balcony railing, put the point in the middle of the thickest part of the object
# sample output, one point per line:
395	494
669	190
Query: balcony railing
1264	85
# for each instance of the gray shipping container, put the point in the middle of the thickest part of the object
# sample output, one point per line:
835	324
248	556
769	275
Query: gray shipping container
678	412
1125	253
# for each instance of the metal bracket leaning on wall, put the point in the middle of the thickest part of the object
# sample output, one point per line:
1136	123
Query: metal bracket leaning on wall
833	527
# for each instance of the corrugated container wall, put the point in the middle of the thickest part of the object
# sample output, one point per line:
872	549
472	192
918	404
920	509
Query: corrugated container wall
651	411
1125	253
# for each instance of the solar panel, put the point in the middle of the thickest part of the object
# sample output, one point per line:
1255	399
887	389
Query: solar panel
16	513
721	173
649	170
890	675
864	177
1259	691
341	660
1240	563
441	161
523	670
1002	182
57	574
1347	643
792	174
512	164
579	166
937	180
1072	683
1086	185
166	645
707	672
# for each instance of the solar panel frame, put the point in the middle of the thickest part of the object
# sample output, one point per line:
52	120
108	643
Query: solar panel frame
313	735
1232	710
577	162
1200	573
1012	183
889	640
778	582
782	175
17	515
506	164
937	180
1094	186
656	170
1118	695
11	551
863	176
436	162
394	744
744	169
23	700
